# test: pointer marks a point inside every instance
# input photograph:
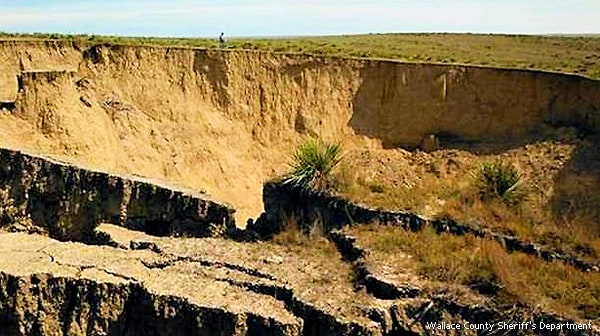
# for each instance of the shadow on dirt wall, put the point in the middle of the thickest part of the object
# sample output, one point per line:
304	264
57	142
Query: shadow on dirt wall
487	111
401	104
577	186
213	67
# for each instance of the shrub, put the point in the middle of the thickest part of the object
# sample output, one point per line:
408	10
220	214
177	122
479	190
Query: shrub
499	180
312	164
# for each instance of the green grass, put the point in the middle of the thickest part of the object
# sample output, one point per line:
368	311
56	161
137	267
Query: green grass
578	54
312	164
459	197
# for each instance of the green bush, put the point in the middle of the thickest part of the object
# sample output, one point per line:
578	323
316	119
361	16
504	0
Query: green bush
312	164
499	180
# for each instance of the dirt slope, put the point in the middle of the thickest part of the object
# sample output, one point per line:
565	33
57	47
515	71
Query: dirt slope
224	122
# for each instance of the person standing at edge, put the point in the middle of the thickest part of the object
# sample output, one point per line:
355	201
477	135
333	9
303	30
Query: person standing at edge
222	40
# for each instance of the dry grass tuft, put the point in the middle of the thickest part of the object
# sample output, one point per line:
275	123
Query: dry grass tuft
292	237
485	266
448	184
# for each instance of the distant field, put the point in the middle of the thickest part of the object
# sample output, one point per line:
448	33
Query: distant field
573	54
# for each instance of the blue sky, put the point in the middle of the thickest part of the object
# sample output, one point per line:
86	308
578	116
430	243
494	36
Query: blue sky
290	17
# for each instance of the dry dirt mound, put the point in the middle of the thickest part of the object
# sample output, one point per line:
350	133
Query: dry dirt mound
224	122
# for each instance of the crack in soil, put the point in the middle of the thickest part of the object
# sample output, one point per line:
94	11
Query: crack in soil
82	268
208	263
118	275
364	277
312	316
278	292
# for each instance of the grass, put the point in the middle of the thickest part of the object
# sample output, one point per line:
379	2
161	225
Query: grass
421	183
292	237
508	278
577	236
555	53
359	183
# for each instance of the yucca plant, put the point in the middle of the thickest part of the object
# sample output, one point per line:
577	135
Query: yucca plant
499	180
312	164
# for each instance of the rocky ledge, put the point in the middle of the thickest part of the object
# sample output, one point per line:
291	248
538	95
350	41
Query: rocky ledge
53	288
210	286
42	194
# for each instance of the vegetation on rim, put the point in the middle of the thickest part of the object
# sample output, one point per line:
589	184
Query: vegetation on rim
577	54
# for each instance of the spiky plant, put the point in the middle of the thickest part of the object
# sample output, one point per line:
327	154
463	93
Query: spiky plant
499	180
313	163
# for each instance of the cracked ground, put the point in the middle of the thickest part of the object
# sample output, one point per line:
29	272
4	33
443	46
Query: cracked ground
307	287
284	284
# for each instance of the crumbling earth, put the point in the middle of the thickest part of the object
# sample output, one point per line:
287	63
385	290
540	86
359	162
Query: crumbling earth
106	126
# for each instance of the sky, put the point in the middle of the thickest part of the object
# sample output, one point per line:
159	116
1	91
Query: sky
187	18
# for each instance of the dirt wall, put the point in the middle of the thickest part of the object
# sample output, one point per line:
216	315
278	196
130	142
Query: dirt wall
69	202
226	121
401	103
17	56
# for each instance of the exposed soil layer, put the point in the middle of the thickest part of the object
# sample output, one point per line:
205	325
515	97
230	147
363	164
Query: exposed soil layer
68	202
53	288
198	118
160	139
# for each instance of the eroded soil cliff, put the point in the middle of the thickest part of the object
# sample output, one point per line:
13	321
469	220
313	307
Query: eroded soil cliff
200	117
164	139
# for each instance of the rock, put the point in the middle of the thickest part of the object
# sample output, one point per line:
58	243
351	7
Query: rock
144	245
275	259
